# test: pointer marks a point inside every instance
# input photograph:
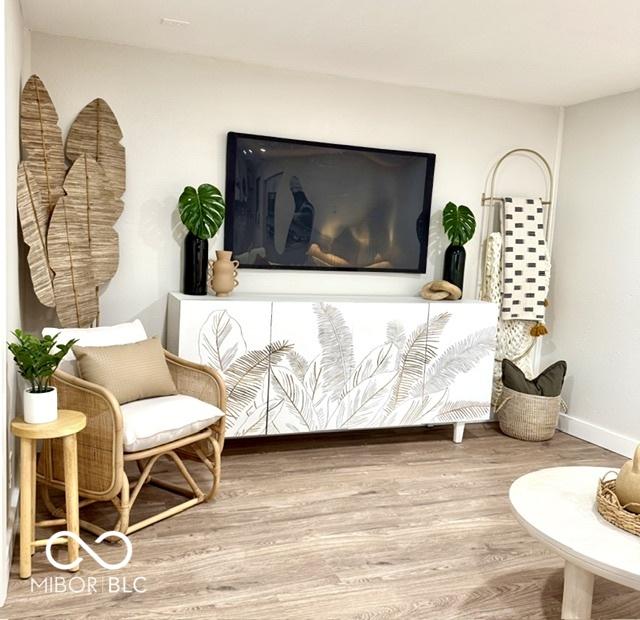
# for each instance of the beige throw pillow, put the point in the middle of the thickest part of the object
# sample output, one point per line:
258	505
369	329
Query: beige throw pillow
129	371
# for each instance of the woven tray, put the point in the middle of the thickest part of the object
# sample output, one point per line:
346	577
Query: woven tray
610	509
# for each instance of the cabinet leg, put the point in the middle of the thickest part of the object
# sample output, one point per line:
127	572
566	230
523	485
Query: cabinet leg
458	432
578	593
71	493
26	461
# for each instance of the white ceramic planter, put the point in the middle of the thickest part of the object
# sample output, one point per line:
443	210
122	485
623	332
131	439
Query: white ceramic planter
40	408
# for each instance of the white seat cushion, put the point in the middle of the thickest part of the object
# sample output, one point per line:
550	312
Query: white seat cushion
154	421
124	333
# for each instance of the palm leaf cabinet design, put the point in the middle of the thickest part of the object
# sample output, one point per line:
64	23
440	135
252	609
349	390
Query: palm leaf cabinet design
299	366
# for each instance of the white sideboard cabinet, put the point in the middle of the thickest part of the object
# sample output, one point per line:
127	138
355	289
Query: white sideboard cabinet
300	364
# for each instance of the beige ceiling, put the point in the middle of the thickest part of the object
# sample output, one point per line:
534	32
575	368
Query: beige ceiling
556	52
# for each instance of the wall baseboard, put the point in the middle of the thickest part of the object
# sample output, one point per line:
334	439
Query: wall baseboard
621	444
12	525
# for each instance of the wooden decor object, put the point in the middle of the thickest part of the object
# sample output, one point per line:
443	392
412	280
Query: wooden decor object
440	290
41	140
70	259
89	192
34	220
97	133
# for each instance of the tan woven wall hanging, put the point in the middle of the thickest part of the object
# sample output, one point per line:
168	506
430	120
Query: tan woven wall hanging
34	220
67	218
96	132
70	258
41	140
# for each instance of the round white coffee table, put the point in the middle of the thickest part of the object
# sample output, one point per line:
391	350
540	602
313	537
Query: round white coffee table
557	506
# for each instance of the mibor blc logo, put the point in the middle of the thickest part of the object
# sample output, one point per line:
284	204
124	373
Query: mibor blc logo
91	584
89	550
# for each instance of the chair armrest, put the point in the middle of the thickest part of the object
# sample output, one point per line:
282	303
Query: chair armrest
100	444
203	383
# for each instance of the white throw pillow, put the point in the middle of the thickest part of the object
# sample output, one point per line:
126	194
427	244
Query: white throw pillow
124	333
155	421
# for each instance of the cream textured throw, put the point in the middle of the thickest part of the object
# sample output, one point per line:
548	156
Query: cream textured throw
526	265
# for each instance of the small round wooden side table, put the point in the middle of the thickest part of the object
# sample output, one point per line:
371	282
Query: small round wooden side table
557	506
66	426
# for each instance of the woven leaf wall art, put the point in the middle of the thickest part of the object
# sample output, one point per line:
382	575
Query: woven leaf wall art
41	140
73	247
96	132
70	259
34	220
89	193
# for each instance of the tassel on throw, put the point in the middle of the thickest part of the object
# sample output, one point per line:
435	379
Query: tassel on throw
539	330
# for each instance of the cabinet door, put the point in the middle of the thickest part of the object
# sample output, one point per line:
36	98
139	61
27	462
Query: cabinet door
232	337
459	376
370	365
342	367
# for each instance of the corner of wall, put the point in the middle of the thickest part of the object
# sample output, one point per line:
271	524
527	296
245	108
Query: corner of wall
15	46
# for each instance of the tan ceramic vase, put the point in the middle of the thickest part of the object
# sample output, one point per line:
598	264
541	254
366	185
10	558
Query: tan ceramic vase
628	483
223	280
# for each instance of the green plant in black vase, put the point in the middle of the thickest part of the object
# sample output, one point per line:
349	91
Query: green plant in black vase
202	212
459	224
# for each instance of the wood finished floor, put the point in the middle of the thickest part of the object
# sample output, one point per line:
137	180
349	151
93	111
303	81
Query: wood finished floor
391	524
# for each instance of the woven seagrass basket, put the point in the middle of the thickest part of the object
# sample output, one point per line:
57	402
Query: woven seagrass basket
610	509
527	416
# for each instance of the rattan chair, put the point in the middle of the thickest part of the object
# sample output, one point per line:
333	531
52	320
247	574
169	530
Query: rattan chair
102	458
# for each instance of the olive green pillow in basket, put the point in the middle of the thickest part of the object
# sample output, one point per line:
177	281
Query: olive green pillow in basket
547	383
129	371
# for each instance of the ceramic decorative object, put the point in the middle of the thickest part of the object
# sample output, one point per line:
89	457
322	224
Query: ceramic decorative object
628	484
40	408
454	259
440	290
196	253
225	271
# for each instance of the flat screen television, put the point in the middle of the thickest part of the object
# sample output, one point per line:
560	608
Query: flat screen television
294	204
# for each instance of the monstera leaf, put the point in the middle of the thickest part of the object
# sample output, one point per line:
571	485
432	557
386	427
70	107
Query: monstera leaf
459	223
202	210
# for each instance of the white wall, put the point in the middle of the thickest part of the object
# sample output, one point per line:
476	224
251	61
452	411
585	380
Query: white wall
595	284
14	45
175	111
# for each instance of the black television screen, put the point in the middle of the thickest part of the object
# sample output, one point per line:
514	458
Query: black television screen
293	204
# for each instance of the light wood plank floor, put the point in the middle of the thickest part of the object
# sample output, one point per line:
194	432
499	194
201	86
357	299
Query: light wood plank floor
391	524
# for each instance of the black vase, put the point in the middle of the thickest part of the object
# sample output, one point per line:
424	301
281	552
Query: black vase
453	272
196	262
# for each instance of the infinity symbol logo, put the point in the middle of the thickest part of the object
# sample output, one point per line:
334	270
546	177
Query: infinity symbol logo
89	550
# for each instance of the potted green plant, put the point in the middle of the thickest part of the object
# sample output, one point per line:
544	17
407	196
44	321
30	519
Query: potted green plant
37	360
202	213
460	225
